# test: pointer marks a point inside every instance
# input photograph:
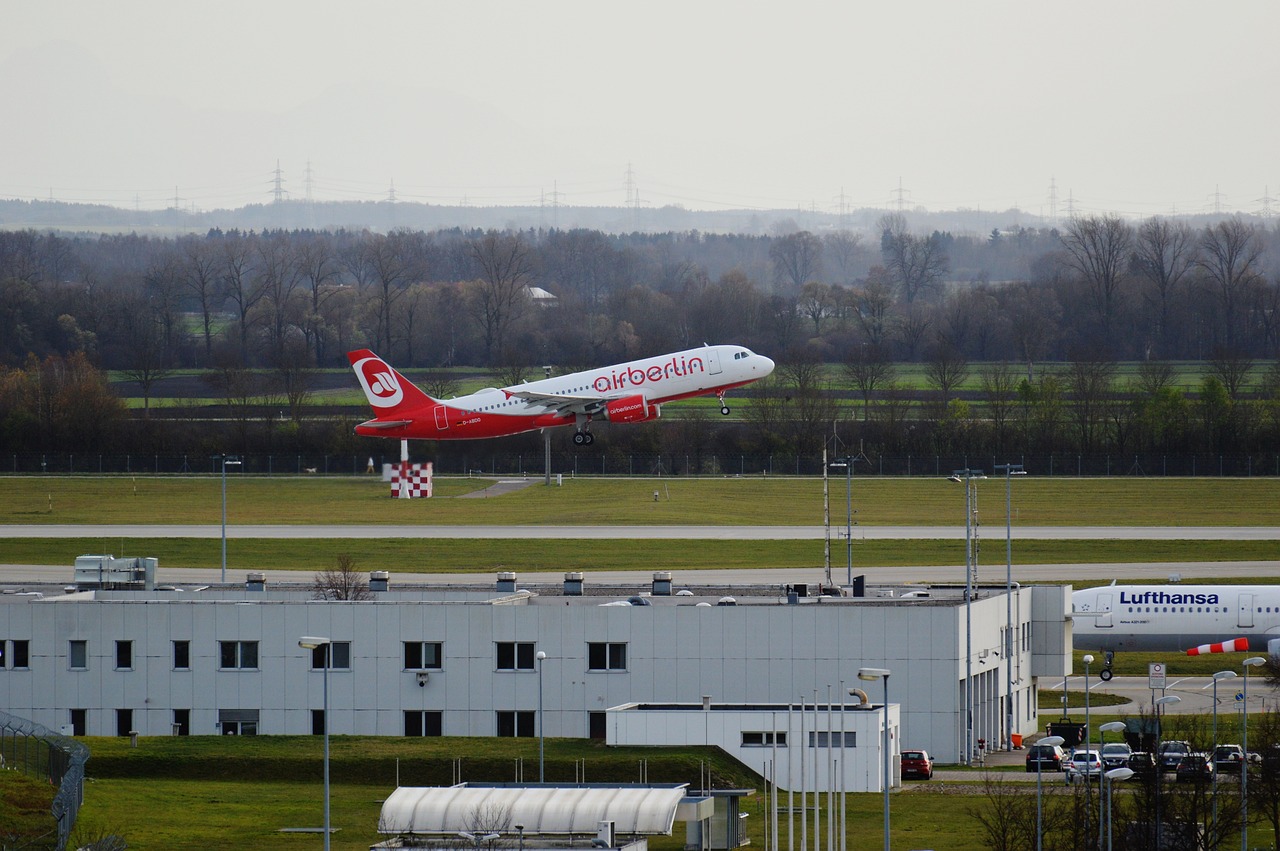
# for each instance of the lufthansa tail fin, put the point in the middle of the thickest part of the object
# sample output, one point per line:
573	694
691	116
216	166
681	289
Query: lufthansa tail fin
392	396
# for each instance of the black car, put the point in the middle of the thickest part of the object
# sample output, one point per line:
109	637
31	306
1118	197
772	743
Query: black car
1195	768
1046	758
1171	754
1142	764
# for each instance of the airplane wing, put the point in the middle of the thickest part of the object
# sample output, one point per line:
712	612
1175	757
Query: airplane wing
564	404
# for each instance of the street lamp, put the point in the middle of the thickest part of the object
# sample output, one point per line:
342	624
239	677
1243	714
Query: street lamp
1009	471
542	733
881	674
1220	675
479	838
1103	729
1251	662
970	564
1088	781
1121	773
1048	742
1160	704
312	642
233	462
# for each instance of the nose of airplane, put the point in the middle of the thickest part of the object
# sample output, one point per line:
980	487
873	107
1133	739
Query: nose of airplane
766	365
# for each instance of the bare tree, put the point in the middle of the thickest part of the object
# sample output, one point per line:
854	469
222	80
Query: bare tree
999	391
869	368
916	263
945	369
797	259
1232	368
1090	380
816	304
1164	253
845	250
200	276
874	305
499	296
240	283
341	582
1098	248
1229	257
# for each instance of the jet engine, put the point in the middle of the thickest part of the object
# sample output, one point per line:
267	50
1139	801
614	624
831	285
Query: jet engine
631	409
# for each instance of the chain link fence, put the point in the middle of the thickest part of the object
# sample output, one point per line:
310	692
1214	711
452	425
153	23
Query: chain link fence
39	752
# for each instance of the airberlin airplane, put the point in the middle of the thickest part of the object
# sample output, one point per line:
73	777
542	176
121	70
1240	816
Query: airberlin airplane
1197	619
625	393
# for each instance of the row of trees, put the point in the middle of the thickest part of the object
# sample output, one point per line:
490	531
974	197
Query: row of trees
1159	289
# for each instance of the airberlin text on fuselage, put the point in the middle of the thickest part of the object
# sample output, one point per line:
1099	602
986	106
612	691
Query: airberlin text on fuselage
1165	598
635	376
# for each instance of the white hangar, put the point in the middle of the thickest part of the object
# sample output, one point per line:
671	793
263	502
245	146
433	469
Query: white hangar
467	661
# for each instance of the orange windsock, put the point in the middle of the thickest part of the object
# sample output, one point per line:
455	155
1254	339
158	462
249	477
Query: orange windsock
1235	645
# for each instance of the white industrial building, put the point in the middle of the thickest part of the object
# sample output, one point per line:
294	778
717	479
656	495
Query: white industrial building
464	661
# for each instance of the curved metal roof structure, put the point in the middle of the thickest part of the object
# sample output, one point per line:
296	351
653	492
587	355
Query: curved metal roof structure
542	810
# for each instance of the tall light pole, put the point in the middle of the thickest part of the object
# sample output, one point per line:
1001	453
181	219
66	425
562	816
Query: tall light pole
1010	470
311	642
1121	773
233	462
1049	742
1251	662
881	674
1160	704
967	476
1088	781
1220	675
1103	729
847	463
541	657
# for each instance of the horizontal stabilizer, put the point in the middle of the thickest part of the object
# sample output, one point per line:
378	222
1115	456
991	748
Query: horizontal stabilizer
1235	645
385	423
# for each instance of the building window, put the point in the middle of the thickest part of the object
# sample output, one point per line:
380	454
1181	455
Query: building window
238	722
516	723
182	655
124	655
317	722
182	722
515	656
423	655
423	723
819	739
124	722
339	656
79	722
764	739
78	655
606	657
238	654
19	655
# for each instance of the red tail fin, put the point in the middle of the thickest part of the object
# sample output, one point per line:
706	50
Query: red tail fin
389	393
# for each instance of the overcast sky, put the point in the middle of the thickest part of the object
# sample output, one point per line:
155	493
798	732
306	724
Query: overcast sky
1127	106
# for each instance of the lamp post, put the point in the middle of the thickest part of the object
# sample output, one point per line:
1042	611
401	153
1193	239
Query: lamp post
1088	781
1213	793
1121	773
1160	704
233	462
1251	662
541	657
966	476
1049	742
1103	729
1009	471
479	838
847	463
312	642
881	674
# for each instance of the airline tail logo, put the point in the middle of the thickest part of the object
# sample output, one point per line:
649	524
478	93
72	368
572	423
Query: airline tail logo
380	383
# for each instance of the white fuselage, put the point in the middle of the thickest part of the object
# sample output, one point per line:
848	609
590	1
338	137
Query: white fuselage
1174	617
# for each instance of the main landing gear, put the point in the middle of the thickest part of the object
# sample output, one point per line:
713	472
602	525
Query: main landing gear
724	408
583	438
1108	656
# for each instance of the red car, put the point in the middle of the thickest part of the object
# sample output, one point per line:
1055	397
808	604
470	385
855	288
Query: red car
917	764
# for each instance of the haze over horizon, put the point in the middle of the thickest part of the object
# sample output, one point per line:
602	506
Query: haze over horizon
1140	108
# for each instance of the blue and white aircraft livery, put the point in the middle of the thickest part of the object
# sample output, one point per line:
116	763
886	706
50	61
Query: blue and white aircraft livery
1192	618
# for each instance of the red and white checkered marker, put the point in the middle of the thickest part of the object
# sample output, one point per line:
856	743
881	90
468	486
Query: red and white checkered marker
417	478
1235	645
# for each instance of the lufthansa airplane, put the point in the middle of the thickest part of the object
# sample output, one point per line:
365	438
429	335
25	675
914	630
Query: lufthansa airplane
1196	619
630	392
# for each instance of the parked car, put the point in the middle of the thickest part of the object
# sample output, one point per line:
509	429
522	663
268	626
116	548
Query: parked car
1046	758
1142	764
1084	763
1227	759
1195	767
1171	753
917	764
1115	754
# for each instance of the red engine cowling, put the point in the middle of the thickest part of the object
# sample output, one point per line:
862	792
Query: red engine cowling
631	409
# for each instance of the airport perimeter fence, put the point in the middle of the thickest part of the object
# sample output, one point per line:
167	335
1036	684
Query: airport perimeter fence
39	752
451	460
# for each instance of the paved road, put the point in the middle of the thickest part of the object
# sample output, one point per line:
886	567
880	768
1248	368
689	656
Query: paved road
740	533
